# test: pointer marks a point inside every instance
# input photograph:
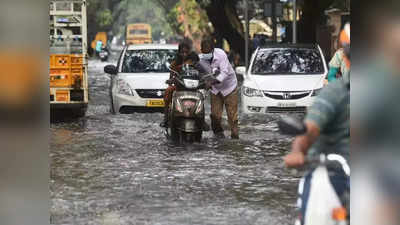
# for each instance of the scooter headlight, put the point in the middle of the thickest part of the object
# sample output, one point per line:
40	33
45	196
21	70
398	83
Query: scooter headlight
124	88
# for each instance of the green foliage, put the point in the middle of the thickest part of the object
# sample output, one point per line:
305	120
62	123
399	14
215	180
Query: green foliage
104	18
189	12
114	15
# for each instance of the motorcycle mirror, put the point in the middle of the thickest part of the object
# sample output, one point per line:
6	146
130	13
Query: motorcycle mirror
169	68
291	126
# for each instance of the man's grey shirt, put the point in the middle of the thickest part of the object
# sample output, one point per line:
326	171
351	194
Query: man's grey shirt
331	112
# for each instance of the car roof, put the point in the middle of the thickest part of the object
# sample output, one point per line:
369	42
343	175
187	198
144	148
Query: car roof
288	45
152	46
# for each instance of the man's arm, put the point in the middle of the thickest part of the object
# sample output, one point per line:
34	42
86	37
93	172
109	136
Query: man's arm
332	73
301	145
318	117
223	67
334	66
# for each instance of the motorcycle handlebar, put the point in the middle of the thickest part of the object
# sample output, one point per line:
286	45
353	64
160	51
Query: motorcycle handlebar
328	160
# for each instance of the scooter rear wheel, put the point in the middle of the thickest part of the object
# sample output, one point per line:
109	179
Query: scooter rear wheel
198	136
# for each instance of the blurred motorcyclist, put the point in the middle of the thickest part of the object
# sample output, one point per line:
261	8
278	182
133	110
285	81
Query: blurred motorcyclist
328	129
340	61
327	121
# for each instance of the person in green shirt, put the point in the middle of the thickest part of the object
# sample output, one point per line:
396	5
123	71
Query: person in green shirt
339	61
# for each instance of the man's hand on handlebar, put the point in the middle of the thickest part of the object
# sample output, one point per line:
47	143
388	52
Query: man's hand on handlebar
216	71
170	81
208	84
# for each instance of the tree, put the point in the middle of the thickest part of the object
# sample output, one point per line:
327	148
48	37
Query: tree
312	16
113	16
189	20
225	20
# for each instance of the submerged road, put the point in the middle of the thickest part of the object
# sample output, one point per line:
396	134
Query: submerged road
119	169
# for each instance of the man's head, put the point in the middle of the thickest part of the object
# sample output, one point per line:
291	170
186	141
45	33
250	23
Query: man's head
207	48
184	49
192	58
207	45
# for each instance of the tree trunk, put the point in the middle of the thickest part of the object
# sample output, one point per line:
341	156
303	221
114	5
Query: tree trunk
312	17
222	14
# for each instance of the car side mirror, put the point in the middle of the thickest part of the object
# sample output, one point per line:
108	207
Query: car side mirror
111	69
240	73
291	126
241	70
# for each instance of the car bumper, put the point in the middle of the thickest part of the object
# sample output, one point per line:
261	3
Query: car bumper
123	102
254	105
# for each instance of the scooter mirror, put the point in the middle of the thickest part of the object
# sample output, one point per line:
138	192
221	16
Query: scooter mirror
291	126
169	68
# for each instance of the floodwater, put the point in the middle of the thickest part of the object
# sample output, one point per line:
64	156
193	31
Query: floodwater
119	169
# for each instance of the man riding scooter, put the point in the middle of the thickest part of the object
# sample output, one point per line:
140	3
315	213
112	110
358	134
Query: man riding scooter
328	128
184	56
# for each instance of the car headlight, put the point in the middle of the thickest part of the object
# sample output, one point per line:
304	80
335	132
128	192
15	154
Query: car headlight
251	92
316	92
124	88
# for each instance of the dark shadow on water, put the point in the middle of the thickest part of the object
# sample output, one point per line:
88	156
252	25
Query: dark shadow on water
132	109
64	116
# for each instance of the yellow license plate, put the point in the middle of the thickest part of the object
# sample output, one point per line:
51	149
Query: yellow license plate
155	103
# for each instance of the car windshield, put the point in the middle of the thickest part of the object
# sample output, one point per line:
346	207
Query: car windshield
288	61
138	32
148	60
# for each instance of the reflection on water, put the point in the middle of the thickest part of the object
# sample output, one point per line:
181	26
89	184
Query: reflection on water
119	169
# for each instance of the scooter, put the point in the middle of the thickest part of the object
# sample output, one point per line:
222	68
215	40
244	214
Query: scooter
321	201
103	54
186	115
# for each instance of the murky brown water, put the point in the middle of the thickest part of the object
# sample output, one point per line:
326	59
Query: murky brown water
120	169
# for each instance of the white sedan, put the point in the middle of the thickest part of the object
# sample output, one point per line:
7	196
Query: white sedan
138	81
282	78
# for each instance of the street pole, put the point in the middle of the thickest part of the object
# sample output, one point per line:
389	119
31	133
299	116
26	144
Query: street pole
247	33
294	22
274	22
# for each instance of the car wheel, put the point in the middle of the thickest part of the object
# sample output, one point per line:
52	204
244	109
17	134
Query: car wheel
175	134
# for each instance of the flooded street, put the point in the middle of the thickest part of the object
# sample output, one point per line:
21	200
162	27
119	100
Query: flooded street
119	169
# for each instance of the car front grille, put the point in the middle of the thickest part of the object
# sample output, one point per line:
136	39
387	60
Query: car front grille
286	109
286	95
150	93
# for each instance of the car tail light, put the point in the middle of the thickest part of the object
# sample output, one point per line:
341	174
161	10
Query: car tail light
189	103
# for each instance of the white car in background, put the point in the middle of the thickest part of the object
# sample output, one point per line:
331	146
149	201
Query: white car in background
282	78
138	80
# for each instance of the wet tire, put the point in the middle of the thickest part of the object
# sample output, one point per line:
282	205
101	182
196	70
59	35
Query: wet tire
175	135
198	136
